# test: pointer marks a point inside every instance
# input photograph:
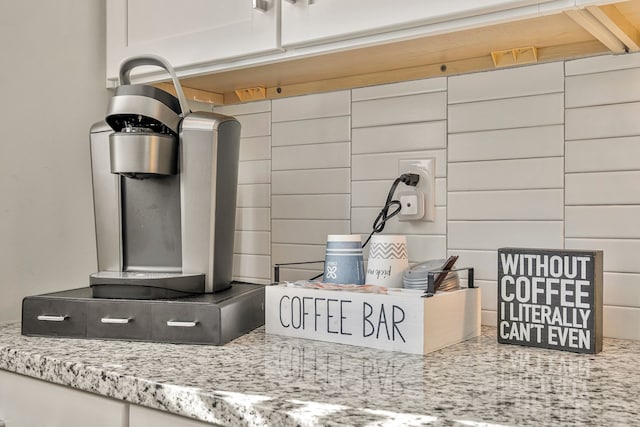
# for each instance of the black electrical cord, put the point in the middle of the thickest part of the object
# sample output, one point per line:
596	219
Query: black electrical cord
379	223
410	179
384	215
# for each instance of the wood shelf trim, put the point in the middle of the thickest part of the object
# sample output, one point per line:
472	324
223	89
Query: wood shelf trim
589	22
192	94
614	21
483	63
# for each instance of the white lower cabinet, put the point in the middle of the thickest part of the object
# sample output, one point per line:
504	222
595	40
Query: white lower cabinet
145	417
28	402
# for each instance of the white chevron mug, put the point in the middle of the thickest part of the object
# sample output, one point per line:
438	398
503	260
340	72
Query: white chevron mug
388	259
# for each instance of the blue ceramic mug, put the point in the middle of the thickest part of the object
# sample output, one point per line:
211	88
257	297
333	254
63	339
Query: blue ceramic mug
343	262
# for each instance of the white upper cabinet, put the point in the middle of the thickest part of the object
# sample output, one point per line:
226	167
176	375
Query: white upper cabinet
313	21
200	37
189	32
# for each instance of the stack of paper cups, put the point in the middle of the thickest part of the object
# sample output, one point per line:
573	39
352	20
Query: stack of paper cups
343	261
387	260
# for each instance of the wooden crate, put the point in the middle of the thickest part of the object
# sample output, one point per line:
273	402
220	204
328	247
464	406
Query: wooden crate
401	320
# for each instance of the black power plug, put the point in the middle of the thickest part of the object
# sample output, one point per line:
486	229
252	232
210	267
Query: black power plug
410	179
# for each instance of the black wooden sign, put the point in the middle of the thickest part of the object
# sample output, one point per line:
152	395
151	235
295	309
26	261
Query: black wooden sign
550	298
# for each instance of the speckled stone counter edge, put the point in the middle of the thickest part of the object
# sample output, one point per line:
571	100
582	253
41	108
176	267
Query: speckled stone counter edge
179	400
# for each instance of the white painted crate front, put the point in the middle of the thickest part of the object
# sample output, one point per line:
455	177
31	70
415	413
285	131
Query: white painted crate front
399	321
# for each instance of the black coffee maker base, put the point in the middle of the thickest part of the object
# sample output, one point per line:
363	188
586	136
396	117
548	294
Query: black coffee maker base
213	319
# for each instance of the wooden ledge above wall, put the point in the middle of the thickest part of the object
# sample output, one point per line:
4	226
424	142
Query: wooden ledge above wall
555	37
194	94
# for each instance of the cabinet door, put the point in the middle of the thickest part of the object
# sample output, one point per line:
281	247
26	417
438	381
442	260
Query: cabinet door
311	21
189	32
26	402
144	417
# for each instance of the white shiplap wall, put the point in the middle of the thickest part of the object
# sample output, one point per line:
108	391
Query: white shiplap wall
539	156
392	123
311	176
603	179
252	258
506	167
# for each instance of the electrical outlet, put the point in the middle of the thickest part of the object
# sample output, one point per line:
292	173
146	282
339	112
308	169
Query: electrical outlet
418	203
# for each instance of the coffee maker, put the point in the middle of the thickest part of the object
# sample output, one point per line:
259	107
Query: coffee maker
164	185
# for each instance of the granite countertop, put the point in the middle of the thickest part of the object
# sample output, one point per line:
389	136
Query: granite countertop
261	379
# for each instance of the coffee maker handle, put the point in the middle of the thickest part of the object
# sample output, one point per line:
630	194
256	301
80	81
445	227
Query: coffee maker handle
135	61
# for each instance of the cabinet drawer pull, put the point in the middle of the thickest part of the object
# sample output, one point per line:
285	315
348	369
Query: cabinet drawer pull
115	320
181	324
46	318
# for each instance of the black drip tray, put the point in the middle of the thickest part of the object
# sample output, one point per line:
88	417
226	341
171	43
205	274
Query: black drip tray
132	285
213	319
